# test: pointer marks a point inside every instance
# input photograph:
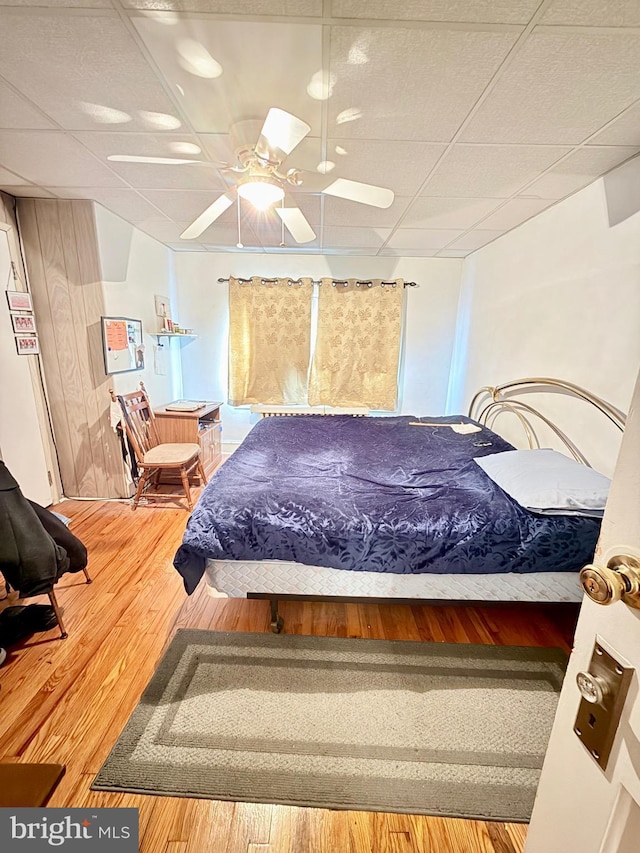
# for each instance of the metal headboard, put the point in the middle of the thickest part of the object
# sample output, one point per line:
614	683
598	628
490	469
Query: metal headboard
501	399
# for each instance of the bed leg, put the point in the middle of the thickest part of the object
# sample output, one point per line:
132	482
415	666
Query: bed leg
276	620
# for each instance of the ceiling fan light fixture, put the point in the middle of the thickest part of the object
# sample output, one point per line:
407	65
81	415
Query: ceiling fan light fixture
261	192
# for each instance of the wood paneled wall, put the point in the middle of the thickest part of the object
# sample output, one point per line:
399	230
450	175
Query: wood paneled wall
61	254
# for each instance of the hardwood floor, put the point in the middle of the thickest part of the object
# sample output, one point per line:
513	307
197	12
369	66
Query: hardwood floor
67	701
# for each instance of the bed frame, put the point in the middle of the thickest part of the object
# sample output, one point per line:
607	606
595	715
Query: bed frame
486	404
491	401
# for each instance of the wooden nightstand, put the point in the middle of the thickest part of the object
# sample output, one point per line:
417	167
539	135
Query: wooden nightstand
203	427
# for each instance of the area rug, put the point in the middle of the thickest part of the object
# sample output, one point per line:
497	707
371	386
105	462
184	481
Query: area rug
426	728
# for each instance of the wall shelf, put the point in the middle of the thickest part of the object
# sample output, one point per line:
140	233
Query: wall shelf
161	335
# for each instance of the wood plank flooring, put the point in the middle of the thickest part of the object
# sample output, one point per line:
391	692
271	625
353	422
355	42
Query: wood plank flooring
67	701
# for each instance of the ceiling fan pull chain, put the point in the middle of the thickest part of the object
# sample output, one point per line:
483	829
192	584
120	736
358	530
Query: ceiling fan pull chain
239	244
282	243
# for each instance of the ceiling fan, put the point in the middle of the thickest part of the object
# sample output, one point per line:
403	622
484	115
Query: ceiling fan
260	180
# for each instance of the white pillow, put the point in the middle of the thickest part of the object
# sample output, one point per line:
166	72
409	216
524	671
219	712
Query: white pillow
548	482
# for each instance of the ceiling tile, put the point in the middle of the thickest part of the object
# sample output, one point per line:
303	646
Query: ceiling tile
247	85
253	250
125	203
181	247
623	131
513	213
184	176
312	8
453	253
475	240
16	112
339	211
422	238
355	251
156	176
184	206
593	13
472	11
89	72
8	177
577	171
364	238
220	147
399	166
457	213
560	88
418	84
26	191
309	205
141	144
490	171
53	159
226	234
411	253
270	240
165	230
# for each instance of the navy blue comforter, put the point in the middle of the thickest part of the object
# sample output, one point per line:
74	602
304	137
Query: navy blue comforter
377	495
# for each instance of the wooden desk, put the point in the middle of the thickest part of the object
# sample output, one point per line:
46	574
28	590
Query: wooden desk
202	426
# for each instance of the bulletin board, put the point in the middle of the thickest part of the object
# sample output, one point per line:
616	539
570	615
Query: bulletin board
122	344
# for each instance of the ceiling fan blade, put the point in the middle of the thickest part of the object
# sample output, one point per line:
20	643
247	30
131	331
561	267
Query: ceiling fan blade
296	224
281	131
207	217
363	193
166	161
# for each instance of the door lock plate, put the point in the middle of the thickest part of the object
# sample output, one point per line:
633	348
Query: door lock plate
604	689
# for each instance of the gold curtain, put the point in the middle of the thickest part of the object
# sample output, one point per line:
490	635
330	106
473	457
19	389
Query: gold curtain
269	341
357	350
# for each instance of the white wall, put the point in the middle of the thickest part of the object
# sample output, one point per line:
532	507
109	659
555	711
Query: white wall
21	443
560	297
135	268
202	304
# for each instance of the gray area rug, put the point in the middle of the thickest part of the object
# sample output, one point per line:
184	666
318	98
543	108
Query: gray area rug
425	728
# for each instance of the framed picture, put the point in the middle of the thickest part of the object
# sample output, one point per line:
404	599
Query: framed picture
163	306
122	344
19	300
23	324
27	344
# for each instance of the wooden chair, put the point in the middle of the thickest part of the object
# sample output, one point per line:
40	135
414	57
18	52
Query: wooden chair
152	456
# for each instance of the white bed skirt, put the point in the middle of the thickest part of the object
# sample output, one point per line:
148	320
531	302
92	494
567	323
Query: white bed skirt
237	578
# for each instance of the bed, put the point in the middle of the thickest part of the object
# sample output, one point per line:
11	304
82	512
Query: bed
389	508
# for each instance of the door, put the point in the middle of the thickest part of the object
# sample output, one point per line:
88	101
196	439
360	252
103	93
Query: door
581	808
21	442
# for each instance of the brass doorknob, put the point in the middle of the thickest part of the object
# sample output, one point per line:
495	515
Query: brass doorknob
618	581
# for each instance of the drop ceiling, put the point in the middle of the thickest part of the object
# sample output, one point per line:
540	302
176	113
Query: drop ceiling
478	114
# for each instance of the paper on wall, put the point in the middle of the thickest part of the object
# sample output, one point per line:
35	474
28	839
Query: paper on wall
160	358
461	428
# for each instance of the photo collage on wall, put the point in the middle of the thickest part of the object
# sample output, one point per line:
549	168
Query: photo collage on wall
23	322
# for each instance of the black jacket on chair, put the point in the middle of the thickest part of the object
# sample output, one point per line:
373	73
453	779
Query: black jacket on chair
30	559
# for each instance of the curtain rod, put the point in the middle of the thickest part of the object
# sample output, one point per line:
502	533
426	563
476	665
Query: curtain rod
335	281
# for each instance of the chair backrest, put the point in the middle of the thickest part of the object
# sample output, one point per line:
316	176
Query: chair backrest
139	420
